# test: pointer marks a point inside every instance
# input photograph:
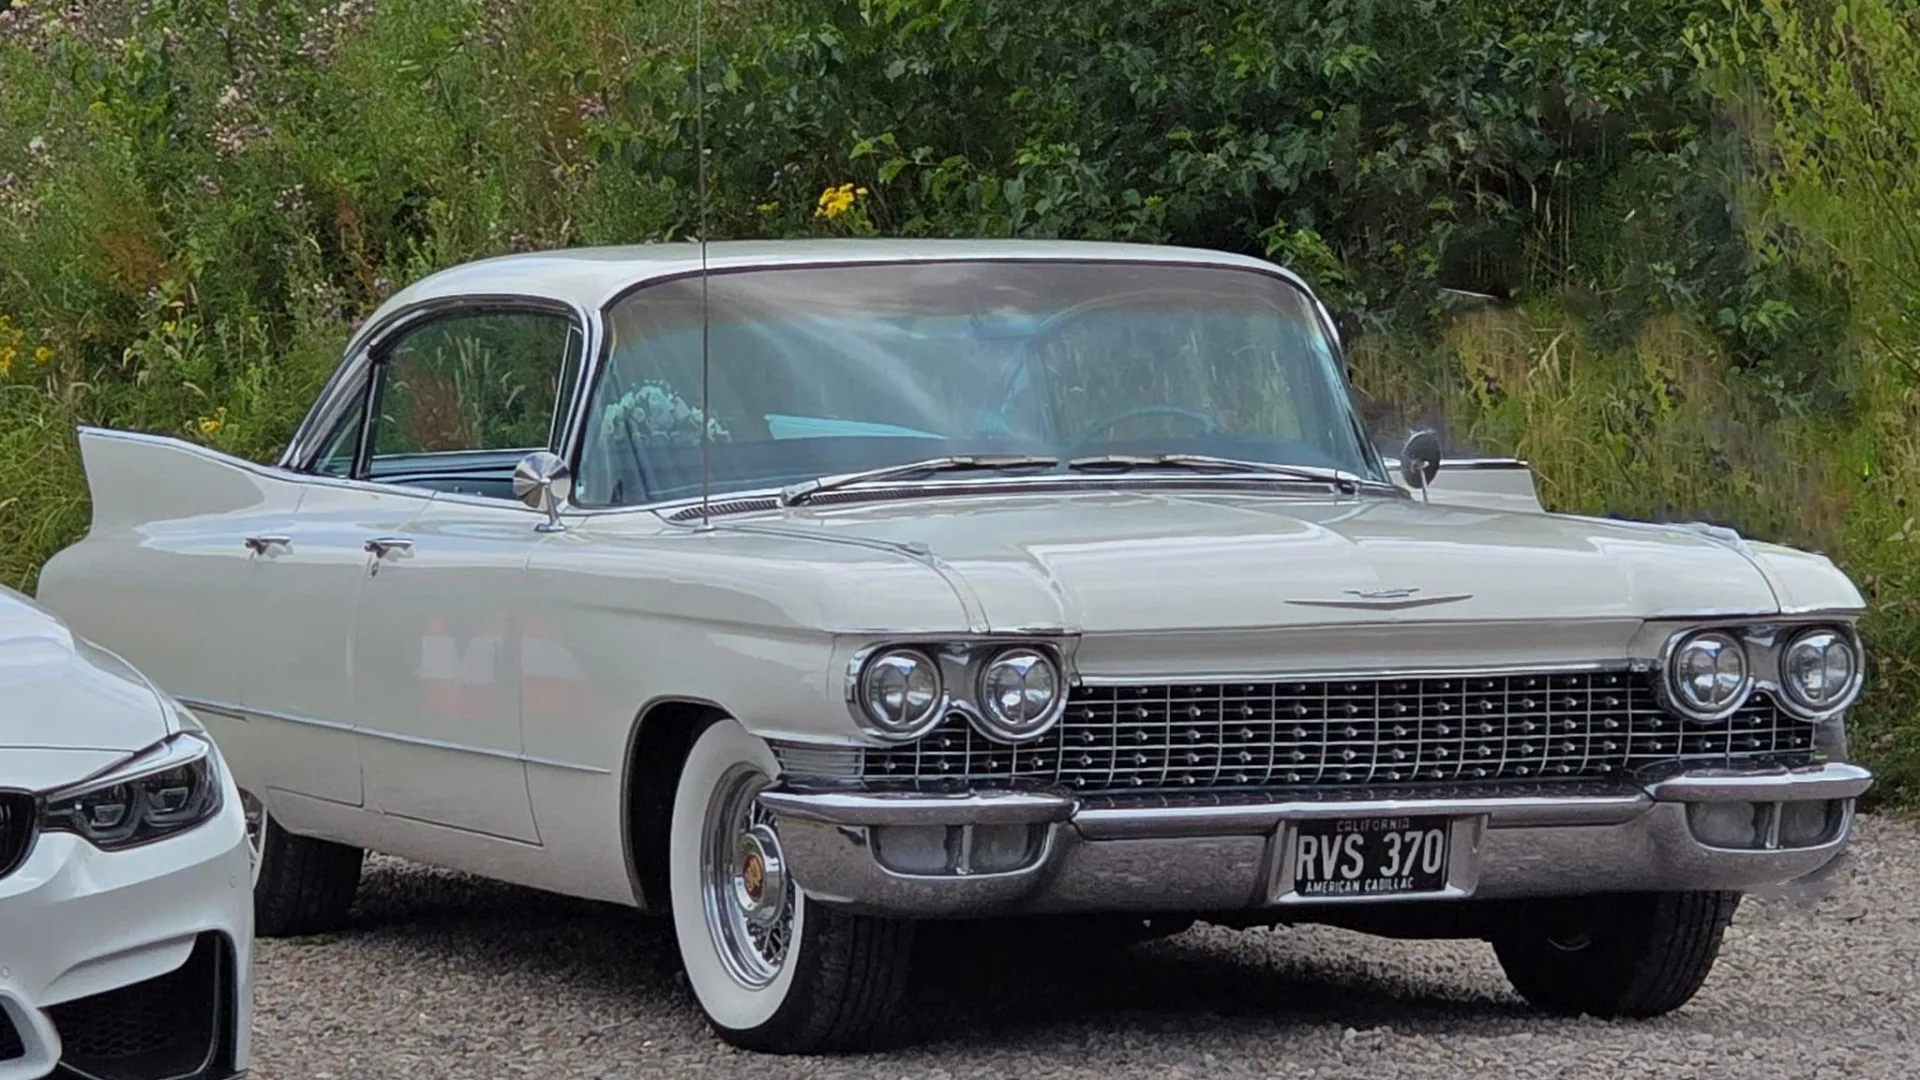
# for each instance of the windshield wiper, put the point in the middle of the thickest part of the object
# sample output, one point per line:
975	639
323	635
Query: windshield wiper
796	494
1344	482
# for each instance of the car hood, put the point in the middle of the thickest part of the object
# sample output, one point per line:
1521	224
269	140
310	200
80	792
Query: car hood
1158	562
62	693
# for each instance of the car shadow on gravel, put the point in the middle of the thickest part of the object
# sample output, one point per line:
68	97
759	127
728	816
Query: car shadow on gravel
971	987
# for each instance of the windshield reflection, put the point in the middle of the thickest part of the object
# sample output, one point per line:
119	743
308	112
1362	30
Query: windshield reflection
819	371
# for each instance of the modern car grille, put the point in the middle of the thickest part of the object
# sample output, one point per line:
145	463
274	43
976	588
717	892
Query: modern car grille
1354	733
171	1026
17	817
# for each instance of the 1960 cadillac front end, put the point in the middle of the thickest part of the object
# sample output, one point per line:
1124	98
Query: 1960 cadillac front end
806	591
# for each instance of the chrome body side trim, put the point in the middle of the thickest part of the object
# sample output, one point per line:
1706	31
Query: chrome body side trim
246	713
1176	854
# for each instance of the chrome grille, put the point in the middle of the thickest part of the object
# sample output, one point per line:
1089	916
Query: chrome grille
16	830
1354	733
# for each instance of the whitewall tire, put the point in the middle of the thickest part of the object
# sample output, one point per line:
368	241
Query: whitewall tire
772	971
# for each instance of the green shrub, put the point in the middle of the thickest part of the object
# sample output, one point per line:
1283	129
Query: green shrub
1696	209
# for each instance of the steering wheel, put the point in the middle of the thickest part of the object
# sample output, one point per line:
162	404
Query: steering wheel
1208	425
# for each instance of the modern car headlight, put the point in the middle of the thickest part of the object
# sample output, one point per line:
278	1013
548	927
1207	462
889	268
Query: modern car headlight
1820	671
1708	675
166	789
1021	694
900	693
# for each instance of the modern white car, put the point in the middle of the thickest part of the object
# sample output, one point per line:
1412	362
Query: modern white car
126	915
809	590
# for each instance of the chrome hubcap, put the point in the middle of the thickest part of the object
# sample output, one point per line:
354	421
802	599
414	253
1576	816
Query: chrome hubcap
748	899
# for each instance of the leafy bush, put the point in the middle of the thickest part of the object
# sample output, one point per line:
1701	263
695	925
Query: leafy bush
1690	213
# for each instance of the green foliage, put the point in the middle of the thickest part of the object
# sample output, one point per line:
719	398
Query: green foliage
1703	209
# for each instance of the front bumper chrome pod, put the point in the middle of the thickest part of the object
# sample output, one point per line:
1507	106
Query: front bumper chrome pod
983	853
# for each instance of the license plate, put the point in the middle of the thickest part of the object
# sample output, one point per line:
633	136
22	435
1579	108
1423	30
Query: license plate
1371	856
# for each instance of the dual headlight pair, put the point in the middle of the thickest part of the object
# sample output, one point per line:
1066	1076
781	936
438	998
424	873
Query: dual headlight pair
1010	693
1817	670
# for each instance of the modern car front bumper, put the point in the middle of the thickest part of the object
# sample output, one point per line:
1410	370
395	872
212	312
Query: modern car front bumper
129	964
985	853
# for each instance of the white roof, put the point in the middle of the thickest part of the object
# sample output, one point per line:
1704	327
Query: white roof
589	277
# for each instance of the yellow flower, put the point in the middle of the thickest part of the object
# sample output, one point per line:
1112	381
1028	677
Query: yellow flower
211	424
42	354
837	200
6	362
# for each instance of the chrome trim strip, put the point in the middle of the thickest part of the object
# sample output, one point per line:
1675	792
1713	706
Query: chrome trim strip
477	751
1831	781
853	808
1362	602
248	712
915	808
1211	678
1470	464
1512	813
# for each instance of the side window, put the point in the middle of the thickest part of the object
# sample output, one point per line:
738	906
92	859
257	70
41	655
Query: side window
460	391
337	458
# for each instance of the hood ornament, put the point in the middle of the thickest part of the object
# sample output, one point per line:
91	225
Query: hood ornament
1384	599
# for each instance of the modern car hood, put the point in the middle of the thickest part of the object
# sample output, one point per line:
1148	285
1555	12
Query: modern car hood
62	693
1135	561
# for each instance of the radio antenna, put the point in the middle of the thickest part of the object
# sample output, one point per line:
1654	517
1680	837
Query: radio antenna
706	321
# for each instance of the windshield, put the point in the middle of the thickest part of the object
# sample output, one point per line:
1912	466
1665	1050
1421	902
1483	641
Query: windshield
823	370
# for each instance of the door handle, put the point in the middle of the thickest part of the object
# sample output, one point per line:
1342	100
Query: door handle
381	545
259	544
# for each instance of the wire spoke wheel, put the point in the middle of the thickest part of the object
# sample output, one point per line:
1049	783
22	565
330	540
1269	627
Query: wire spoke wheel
747	897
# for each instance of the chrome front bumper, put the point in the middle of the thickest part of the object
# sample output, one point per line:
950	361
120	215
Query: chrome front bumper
1010	853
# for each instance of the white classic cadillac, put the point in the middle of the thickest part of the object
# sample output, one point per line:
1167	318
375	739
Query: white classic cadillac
805	590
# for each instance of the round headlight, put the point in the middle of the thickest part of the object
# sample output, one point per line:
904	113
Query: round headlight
1708	675
900	692
1820	671
1020	694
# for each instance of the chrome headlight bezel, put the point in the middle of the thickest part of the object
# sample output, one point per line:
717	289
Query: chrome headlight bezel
1678	700
962	663
1766	642
1790	694
170	788
872	720
990	717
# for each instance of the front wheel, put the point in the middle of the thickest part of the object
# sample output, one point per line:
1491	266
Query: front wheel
771	970
1634	955
300	885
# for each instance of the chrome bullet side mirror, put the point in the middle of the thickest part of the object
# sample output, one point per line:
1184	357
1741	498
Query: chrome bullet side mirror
543	481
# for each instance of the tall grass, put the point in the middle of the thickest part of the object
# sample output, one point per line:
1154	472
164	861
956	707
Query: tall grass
1704	207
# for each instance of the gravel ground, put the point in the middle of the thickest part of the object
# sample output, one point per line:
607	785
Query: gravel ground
447	976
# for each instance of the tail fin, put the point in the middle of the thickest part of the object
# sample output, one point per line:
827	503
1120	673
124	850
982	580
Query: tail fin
136	478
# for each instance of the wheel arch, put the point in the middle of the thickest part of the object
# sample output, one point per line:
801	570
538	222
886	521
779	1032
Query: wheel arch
663	733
